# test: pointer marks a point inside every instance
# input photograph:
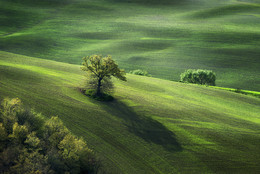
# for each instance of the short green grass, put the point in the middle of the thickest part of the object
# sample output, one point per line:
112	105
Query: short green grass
152	126
162	37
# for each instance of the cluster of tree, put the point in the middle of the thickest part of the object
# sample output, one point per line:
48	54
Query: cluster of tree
140	72
100	70
31	144
199	76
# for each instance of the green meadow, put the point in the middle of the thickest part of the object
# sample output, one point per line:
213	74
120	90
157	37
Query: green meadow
155	124
162	37
152	126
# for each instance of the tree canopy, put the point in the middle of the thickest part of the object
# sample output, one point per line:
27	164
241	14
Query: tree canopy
101	69
199	76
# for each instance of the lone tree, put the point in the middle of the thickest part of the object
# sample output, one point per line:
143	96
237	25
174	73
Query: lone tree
100	70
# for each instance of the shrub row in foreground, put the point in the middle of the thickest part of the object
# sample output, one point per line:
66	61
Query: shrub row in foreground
31	144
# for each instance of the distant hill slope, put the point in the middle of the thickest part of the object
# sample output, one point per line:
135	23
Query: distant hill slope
153	126
162	37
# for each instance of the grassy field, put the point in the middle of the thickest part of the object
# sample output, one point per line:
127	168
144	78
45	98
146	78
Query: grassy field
153	126
162	37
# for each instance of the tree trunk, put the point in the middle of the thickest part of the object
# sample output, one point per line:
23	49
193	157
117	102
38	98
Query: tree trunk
99	88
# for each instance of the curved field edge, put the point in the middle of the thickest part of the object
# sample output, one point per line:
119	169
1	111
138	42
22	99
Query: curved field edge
153	126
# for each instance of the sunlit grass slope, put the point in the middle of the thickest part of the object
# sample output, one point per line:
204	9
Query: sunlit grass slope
153	126
162	37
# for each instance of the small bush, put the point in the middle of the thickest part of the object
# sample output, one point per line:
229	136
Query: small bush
238	90
203	77
103	97
139	72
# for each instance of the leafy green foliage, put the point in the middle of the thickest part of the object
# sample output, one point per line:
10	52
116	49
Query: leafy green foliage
47	147
100	70
139	72
203	77
11	108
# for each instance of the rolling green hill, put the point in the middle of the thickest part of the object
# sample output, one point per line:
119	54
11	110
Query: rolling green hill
153	126
162	37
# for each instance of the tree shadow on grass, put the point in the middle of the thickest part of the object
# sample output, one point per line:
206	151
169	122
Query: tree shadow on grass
144	127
